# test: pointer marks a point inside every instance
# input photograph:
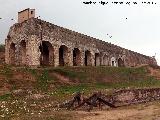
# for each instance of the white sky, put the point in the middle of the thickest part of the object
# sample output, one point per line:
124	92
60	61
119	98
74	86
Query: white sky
140	32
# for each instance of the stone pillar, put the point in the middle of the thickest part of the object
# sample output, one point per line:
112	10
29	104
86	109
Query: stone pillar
7	51
82	58
92	60
56	55
23	52
101	60
70	57
33	52
51	55
17	54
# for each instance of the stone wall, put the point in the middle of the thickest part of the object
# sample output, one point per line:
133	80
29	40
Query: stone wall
48	44
132	96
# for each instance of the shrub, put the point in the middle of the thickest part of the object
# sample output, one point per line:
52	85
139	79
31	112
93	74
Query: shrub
2	48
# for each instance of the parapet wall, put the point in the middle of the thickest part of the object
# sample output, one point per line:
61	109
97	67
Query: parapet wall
34	31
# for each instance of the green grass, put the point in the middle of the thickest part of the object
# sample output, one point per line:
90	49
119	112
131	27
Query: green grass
151	82
102	74
42	77
94	78
43	80
81	75
89	78
5	97
2	47
7	71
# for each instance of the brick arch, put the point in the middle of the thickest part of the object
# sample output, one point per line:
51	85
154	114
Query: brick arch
63	55
12	51
120	62
46	56
23	52
76	57
113	61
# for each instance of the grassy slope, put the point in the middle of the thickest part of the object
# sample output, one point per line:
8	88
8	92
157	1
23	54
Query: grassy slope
80	78
43	81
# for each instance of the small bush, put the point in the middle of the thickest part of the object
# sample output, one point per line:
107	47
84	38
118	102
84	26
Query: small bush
2	48
5	97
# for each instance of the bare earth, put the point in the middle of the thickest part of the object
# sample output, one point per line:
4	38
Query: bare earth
140	112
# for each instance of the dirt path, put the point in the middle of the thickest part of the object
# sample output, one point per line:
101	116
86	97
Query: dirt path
140	113
62	78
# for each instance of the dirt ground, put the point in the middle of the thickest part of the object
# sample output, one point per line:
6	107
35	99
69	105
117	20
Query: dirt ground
147	111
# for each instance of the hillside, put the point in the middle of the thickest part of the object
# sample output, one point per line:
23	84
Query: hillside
72	79
27	93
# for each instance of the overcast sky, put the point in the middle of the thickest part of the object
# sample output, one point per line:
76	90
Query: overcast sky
135	26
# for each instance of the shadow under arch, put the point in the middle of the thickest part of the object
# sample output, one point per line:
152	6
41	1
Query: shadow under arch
12	50
97	59
46	57
120	62
23	52
63	55
76	57
87	60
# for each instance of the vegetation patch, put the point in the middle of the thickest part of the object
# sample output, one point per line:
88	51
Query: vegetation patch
71	73
7	71
43	79
5	97
2	47
103	74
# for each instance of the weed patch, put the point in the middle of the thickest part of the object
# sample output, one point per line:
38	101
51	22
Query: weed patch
5	97
43	80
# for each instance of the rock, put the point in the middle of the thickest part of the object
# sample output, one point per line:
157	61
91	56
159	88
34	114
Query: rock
37	97
19	92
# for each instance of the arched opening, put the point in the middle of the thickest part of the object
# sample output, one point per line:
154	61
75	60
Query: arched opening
46	57
97	59
120	63
23	52
87	58
76	57
105	60
63	56
113	61
12	53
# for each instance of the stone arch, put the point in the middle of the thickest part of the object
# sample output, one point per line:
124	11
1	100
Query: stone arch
120	62
113	61
105	60
23	52
12	50
88	58
63	55
76	57
46	56
97	59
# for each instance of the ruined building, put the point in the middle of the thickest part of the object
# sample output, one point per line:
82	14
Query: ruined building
34	42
